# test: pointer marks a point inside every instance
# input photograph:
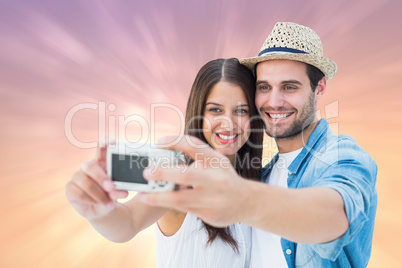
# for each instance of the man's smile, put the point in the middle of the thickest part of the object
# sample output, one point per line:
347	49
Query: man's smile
278	115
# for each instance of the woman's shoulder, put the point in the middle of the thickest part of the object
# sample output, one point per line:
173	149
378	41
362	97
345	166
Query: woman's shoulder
171	222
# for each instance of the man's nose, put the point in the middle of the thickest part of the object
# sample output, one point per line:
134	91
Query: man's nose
275	98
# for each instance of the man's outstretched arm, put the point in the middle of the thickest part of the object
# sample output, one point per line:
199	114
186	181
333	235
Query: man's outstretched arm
212	190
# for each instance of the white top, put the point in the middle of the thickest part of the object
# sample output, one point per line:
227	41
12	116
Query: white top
188	247
266	247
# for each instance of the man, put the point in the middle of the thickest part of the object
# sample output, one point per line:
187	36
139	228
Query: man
318	204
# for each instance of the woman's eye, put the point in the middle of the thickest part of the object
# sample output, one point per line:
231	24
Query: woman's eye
214	110
242	111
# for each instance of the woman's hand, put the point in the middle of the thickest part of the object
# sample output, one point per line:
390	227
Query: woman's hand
90	191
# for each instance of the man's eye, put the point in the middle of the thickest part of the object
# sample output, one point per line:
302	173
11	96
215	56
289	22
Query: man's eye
263	87
290	87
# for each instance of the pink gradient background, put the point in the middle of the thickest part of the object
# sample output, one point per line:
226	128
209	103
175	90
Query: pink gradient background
55	55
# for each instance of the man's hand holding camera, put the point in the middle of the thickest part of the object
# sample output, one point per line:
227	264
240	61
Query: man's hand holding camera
215	194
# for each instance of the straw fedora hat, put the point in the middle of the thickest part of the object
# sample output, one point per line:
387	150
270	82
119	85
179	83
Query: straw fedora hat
291	41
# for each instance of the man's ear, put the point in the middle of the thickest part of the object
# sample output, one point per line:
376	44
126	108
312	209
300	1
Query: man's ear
320	89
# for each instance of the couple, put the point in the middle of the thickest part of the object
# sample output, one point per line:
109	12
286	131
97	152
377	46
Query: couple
313	205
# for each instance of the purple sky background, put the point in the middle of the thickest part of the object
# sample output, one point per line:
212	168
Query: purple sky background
55	55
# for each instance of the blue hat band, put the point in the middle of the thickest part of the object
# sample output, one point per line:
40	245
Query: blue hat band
280	50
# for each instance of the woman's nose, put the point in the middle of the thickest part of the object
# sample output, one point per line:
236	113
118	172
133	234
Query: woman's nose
226	122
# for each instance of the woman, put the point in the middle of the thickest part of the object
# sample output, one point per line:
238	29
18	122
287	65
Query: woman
221	104
221	112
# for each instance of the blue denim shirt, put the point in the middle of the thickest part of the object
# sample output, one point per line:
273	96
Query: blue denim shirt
336	162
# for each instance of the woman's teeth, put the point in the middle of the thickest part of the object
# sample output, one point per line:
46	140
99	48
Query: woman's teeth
225	137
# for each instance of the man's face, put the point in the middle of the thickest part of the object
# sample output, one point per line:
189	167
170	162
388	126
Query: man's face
284	97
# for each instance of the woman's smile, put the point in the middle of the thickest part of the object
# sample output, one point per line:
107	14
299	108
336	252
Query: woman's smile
227	138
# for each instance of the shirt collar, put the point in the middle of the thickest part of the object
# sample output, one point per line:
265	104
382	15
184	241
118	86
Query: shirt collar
314	138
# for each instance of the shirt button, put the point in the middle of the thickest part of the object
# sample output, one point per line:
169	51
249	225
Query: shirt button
288	251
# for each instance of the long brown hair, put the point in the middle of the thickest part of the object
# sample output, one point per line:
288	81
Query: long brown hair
248	158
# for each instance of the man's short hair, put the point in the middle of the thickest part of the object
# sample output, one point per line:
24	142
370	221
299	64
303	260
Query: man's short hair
315	75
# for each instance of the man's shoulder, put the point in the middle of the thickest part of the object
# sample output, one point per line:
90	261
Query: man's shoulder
336	154
343	147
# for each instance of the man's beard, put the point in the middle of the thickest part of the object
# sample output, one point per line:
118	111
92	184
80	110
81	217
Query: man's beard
306	117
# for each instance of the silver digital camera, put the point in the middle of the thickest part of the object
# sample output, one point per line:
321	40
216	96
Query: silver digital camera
126	162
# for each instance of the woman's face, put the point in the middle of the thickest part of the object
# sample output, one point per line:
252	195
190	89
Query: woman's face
226	118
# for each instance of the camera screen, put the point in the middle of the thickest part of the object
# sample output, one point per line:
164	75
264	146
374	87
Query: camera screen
128	168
